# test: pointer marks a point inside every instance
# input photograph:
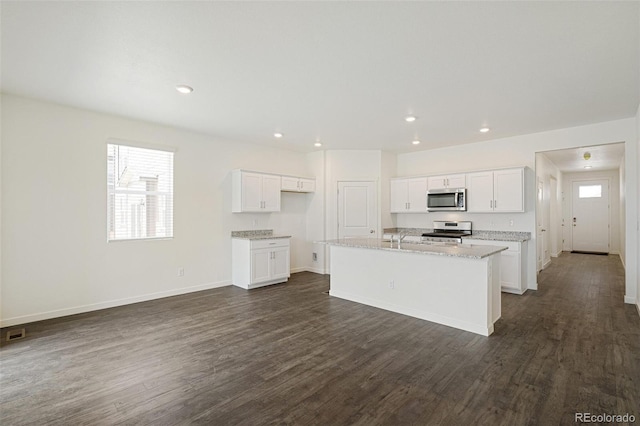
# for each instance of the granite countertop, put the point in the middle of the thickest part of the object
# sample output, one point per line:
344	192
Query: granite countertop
478	235
257	234
500	236
471	251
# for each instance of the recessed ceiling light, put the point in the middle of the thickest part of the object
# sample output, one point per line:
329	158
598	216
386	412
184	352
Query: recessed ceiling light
587	167
416	142
484	130
410	118
183	88
317	144
277	135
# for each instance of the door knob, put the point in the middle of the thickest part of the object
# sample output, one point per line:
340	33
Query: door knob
372	232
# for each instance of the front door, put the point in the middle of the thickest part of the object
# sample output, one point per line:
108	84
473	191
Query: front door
590	217
357	209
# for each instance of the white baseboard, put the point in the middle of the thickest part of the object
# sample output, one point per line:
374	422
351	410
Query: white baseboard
638	307
622	260
546	264
630	300
320	271
24	319
308	269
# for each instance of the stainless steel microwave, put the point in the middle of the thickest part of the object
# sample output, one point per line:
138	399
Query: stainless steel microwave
447	199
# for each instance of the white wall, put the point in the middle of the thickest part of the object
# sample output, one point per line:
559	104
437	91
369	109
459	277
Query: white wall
622	211
520	151
636	222
614	201
316	214
56	260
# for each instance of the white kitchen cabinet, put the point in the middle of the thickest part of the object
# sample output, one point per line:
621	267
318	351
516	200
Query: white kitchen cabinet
513	277
447	181
256	263
496	191
255	192
297	184
408	195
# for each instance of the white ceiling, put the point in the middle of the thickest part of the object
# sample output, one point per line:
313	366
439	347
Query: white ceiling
342	72
602	157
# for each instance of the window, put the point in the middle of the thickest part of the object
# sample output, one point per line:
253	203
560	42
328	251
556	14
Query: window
590	191
140	193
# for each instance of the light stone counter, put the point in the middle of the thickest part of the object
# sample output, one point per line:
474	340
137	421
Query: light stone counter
257	234
512	236
471	251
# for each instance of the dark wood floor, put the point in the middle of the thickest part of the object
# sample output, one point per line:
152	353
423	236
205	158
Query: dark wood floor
291	354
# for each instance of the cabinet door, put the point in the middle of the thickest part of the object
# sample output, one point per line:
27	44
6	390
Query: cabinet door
437	182
307	185
417	195
457	181
289	184
271	193
260	265
510	269
280	263
480	192
508	190
251	192
399	196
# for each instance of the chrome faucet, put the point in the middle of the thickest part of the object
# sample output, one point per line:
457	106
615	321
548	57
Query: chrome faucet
400	237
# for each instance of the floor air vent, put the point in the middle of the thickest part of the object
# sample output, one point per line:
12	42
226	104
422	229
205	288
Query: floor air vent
15	334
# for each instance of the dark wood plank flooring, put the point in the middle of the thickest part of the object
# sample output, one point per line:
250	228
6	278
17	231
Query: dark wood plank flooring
291	354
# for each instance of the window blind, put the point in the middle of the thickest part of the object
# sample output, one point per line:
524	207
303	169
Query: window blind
140	193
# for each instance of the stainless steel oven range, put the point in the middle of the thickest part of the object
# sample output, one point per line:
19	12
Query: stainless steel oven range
451	231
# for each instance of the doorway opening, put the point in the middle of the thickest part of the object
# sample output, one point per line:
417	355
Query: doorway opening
580	201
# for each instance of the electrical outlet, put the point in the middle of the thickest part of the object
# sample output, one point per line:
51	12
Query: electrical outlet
511	222
392	284
181	271
314	256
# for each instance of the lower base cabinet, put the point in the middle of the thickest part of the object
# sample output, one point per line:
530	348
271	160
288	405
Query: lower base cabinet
256	263
513	277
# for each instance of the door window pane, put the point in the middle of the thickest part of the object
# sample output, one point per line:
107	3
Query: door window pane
590	191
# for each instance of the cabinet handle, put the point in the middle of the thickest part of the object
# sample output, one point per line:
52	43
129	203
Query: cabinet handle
495	204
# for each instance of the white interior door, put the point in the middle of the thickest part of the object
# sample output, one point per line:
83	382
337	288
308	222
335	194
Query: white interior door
554	223
540	230
357	209
590	217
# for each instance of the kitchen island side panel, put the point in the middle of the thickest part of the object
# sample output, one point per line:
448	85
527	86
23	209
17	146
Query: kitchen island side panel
457	292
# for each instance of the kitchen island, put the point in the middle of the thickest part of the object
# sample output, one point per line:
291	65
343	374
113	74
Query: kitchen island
452	284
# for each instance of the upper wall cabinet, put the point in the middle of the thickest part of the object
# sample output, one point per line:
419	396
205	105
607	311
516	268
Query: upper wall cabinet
297	184
496	191
447	181
409	195
255	192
